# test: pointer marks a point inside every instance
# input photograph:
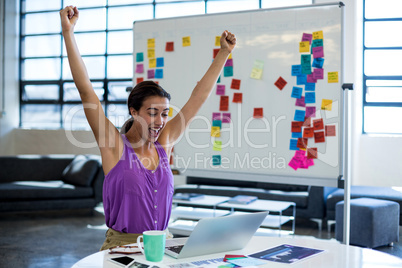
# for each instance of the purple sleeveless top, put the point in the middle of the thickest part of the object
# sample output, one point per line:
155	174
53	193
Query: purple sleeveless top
136	199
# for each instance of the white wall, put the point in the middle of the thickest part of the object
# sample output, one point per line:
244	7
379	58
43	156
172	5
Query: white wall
374	159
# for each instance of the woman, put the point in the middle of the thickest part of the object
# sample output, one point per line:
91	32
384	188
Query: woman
138	186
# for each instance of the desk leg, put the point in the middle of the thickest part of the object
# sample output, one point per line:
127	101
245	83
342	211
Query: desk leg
294	219
280	223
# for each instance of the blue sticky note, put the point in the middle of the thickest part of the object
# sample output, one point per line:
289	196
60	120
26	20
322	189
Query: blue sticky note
297	92
293	145
309	87
227	71
297	135
159	73
217	123
216	159
140	57
318	62
299	115
310	97
301	79
160	62
296	70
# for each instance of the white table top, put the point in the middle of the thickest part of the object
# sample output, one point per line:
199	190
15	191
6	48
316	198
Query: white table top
335	255
207	200
260	205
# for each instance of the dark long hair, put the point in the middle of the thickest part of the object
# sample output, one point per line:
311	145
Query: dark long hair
138	95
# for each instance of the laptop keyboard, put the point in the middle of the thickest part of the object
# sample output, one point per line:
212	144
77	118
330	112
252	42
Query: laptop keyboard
176	249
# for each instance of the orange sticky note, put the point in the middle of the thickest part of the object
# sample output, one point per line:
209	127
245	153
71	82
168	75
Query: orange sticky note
312	153
140	79
224	103
296	126
235	84
308	132
307	122
169	46
330	130
258	113
186	41
302	143
280	83
319	136
215	52
238	97
318	124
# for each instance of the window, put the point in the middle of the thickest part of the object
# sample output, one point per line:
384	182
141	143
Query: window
48	96
382	76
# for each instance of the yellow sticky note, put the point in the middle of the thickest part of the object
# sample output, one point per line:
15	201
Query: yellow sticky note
318	35
326	105
217	146
333	77
215	131
170	114
230	56
151	43
304	46
256	73
151	53
152	63
217	41
186	41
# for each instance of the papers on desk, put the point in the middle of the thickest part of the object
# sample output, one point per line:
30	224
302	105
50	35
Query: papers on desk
242	199
187	196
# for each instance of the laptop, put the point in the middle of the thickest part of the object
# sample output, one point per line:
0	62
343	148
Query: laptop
218	234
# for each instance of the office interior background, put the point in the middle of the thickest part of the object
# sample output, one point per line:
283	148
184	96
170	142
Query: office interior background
38	97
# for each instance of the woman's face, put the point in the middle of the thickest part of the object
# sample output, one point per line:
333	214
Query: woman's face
152	117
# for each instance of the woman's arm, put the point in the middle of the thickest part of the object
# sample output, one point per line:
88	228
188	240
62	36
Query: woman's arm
106	135
175	127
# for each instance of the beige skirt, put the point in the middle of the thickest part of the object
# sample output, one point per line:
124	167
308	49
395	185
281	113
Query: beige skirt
115	238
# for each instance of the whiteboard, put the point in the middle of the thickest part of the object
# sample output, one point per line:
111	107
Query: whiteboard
256	149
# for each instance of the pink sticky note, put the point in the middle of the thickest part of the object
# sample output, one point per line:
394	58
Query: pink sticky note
229	62
220	90
300	154
318	52
303	162
151	74
311	79
139	69
294	163
310	162
318	73
216	116
300	102
310	111
307	37
225	117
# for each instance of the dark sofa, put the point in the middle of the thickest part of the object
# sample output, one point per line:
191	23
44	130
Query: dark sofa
50	182
310	200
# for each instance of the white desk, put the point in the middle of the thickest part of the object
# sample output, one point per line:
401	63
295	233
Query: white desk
335	255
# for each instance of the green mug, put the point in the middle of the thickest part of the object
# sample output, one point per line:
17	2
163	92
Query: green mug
154	245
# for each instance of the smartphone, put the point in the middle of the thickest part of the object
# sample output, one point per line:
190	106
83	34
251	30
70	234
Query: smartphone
124	261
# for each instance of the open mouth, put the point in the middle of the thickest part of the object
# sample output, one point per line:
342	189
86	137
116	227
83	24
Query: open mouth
154	132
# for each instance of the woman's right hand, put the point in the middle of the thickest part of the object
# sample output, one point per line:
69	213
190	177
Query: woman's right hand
69	16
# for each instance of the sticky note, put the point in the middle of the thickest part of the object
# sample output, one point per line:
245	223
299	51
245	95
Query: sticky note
140	79
230	56
139	57
307	37
170	114
317	43
151	43
306	69
151	74
243	262
160	62
229	62
304	46
311	79
151	53
215	131
235	84
312	153
280	83
296	135
159	73
296	70
318	52
301	79
319	136
305	60
308	132
310	111
318	35
330	130
217	146
169	46
309	87
307	122
294	163
318	73
309	97
139	68
299	115
219	79
217	123
226	117
216	160
256	74
237	98
186	41
302	143
220	89
232	256
318	124
258	64
152	63
318	62
258	113
217	41
300	154
215	52
224	103
300	102
227	71
333	77
293	144
326	104
216	116
297	92
296	126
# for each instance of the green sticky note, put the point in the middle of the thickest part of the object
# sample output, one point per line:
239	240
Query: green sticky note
217	146
227	71
219	79
216	160
217	123
140	57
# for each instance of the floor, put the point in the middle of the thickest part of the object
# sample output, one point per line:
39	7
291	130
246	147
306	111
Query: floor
60	239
